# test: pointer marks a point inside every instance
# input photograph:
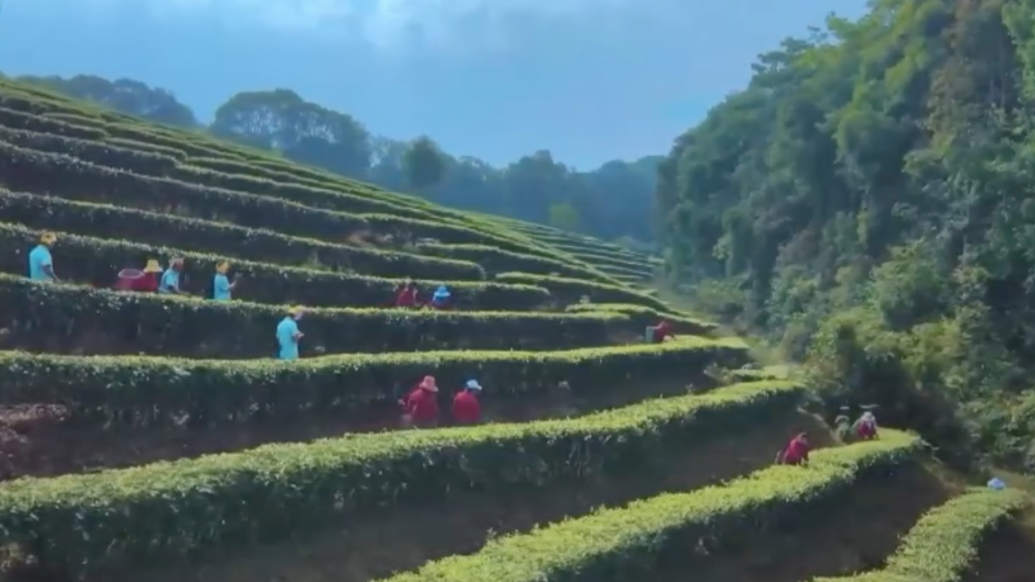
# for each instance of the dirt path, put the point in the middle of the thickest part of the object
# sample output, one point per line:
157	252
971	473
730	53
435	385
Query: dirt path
854	533
1007	556
406	538
41	440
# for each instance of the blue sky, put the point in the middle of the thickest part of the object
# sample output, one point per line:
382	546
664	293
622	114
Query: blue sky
590	80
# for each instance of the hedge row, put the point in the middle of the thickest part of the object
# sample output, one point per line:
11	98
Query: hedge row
332	195
622	543
97	262
620	273
496	260
567	291
304	194
17	119
58	318
56	174
643	316
943	545
240	159
90	150
145	390
85	522
382	215
102	220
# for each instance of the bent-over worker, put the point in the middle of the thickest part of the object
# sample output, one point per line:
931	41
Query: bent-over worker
797	451
662	331
866	427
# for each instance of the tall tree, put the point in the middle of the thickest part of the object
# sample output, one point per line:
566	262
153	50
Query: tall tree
281	120
424	163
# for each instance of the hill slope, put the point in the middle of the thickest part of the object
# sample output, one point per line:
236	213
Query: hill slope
149	437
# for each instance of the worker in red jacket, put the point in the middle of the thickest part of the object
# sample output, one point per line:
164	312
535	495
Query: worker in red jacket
466	409
797	451
420	407
144	281
663	330
406	295
866	427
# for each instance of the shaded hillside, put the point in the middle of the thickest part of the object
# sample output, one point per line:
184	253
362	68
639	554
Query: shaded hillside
867	200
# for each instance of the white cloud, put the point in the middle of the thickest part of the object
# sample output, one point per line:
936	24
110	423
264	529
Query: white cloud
387	24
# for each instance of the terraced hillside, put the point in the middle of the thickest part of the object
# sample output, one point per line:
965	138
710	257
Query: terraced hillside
151	437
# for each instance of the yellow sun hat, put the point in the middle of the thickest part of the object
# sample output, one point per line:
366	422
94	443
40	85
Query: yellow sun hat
152	266
48	238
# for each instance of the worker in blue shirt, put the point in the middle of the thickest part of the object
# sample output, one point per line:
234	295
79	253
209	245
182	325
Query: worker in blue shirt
221	284
170	282
288	334
41	264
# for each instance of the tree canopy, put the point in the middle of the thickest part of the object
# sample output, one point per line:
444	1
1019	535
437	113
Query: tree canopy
611	202
867	201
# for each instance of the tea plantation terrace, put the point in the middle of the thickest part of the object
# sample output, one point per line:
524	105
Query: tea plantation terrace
150	437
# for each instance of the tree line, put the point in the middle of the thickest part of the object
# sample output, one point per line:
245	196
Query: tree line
611	202
868	202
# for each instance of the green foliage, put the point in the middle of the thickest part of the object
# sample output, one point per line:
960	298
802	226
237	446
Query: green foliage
625	543
613	200
261	245
564	216
943	545
147	390
565	290
59	318
644	316
866	199
97	262
275	491
495	260
424	163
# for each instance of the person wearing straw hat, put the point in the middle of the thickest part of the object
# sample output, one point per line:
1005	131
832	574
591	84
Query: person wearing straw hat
222	287
170	282
143	281
420	407
41	263
466	408
288	335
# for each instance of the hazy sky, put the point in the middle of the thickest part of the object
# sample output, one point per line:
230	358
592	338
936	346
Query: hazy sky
590	80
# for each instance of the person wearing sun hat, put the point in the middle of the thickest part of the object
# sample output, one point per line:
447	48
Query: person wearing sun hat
288	335
143	281
466	408
420	407
41	263
222	287
440	298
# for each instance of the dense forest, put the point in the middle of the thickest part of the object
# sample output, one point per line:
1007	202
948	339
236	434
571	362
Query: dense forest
611	202
868	202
